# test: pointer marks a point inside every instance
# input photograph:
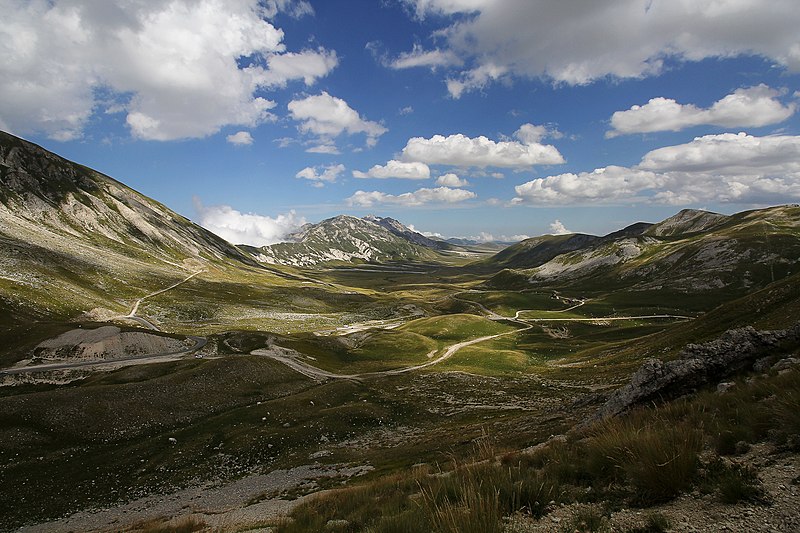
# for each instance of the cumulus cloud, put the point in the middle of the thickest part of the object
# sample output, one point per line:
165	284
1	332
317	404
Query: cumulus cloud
321	174
247	228
451	180
240	138
173	66
558	228
747	107
601	185
462	151
577	42
308	65
327	117
439	195
396	169
733	168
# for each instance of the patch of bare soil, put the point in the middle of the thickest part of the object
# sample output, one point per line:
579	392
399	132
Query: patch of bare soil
105	342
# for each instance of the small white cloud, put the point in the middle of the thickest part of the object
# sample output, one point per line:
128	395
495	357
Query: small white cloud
308	65
396	169
240	138
462	151
247	228
407	110
293	8
557	228
324	148
476	79
451	180
327	117
532	134
426	233
321	174
750	107
439	195
418	57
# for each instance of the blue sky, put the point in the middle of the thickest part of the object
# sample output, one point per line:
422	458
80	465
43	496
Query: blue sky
470	118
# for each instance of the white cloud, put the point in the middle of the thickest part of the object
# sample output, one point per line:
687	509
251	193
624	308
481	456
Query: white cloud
418	57
240	138
321	174
748	107
324	148
307	65
558	228
446	7
577	42
426	233
439	195
328	117
462	151
601	185
172	65
407	110
396	169
294	8
451	180
733	168
247	228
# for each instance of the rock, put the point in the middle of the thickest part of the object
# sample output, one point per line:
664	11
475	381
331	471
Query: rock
725	386
741	447
763	364
697	365
336	525
785	364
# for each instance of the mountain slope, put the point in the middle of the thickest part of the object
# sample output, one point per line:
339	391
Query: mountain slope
691	251
73	239
349	239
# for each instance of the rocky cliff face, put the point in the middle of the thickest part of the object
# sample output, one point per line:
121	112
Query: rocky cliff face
734	351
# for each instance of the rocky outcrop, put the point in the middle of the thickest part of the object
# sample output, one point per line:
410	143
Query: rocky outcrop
700	364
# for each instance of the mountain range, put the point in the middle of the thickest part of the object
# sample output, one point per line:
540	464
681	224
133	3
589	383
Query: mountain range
73	239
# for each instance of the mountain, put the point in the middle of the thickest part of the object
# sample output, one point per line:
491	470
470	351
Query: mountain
687	221
72	239
349	239
404	232
689	252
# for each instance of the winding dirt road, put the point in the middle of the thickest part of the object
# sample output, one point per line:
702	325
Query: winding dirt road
292	361
199	342
132	314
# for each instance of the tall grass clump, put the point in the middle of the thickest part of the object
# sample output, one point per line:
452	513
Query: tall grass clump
659	459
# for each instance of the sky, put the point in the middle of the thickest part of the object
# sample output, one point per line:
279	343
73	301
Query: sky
484	119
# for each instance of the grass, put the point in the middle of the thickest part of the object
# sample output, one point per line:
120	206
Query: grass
646	457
